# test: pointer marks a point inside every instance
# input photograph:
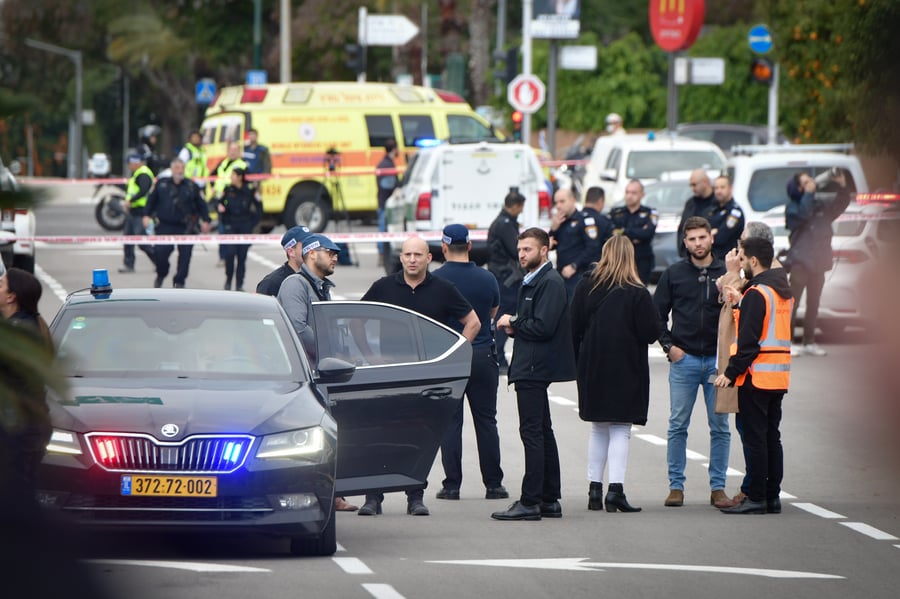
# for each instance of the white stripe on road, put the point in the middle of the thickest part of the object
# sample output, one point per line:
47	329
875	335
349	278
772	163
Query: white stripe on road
561	400
693	455
382	591
352	565
870	531
652	439
192	566
58	290
340	547
821	512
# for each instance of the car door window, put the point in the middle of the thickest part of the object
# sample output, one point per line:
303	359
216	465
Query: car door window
380	128
465	128
615	158
416	127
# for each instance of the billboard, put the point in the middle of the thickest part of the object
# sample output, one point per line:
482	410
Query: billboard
556	19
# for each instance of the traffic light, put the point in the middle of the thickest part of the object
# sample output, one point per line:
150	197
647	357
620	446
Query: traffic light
510	64
517	125
761	70
355	58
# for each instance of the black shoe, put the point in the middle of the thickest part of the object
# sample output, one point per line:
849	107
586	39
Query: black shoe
595	497
415	507
616	500
746	506
370	508
239	288
447	494
518	511
178	285
126	269
158	282
498	492
773	506
551	509
227	285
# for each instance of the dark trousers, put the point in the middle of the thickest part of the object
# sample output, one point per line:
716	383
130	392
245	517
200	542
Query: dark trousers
760	416
410	496
812	282
481	392
509	297
163	252
541	481
236	252
135	226
572	283
645	266
745	483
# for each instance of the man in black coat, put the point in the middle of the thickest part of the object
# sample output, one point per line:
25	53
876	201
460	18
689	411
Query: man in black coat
576	241
503	262
542	354
702	203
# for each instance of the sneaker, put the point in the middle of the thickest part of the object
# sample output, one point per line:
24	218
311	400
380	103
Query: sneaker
811	349
796	351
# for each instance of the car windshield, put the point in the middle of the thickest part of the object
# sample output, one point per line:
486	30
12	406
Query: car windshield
651	164
667	198
127	339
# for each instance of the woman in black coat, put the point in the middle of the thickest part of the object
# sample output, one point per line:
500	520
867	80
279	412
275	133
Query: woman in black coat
613	322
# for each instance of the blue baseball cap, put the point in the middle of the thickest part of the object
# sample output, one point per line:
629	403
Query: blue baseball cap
455	234
133	157
293	236
319	242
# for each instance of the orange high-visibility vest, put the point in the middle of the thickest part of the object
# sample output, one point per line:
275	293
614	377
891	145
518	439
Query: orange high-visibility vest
771	369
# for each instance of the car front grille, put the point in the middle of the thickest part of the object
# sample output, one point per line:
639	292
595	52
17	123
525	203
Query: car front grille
166	509
121	452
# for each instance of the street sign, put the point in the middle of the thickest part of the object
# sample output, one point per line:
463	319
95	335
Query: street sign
699	71
389	30
578	58
257	77
526	93
760	39
675	24
206	91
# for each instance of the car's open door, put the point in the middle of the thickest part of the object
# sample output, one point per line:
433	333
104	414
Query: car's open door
410	376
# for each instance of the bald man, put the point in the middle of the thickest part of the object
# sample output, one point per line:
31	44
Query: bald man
702	203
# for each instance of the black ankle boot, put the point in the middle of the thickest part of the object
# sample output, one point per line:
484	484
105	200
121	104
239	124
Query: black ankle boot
615	499
595	496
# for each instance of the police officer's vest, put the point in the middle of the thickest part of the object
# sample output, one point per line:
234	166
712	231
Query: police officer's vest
196	167
133	188
223	174
771	369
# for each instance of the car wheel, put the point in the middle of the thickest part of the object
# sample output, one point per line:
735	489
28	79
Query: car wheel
324	544
24	262
305	208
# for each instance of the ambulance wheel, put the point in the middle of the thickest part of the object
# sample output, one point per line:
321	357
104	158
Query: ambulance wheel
306	209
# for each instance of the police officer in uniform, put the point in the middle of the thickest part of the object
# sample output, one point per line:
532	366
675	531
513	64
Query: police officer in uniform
139	186
596	223
194	157
292	243
638	223
503	262
726	220
223	170
576	239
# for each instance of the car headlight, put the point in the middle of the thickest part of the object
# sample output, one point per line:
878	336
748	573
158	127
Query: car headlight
301	443
64	442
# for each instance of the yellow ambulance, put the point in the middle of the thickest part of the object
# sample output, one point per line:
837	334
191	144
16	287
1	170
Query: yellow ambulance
325	140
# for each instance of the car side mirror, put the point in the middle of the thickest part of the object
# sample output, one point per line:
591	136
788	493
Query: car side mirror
334	370
608	174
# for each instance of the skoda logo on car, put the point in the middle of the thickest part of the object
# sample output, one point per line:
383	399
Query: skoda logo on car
169	430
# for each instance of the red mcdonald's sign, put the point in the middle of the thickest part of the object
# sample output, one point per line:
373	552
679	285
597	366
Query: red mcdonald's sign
675	24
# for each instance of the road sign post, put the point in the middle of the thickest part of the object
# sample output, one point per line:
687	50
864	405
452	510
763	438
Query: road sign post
761	42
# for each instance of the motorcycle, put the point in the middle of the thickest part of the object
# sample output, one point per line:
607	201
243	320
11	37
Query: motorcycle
110	206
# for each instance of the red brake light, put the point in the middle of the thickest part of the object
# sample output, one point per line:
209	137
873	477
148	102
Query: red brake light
423	207
849	256
873	198
449	97
21	210
544	205
253	95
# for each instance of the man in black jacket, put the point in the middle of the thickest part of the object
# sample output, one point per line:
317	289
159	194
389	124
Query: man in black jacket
702	203
574	234
542	354
503	262
292	242
687	290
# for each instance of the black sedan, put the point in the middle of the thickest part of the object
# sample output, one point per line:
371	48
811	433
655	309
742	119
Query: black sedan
198	411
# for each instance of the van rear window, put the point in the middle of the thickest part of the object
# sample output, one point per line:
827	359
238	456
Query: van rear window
416	127
465	128
380	129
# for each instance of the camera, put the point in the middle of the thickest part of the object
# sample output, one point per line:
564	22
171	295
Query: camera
332	158
824	179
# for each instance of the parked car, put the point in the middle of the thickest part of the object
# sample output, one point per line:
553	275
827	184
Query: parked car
198	412
17	225
728	135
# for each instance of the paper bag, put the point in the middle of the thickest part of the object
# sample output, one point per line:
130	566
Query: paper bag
726	397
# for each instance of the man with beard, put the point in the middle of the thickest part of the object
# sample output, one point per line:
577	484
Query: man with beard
687	290
726	220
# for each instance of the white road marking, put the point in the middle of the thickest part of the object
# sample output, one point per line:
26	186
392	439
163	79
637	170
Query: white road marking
693	455
579	564
786	495
821	512
340	547
561	400
382	591
652	439
728	471
870	531
191	566
352	565
58	290
260	259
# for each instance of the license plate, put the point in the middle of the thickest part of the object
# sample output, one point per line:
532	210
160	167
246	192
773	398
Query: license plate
169	486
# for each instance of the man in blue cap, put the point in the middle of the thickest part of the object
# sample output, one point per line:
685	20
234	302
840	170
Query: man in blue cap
480	288
139	185
292	242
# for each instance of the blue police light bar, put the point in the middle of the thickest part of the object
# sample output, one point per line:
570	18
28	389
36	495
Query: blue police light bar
651	136
100	286
427	143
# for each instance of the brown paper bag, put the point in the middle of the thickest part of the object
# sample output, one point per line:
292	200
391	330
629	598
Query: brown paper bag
726	397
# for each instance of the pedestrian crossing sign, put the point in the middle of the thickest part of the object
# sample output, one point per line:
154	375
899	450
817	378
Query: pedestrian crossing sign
206	91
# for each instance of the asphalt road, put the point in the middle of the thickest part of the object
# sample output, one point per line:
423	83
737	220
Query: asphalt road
836	538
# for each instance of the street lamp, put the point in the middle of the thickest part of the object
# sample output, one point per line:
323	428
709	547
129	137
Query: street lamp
76	169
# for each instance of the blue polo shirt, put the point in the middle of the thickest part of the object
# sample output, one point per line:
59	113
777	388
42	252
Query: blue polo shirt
480	288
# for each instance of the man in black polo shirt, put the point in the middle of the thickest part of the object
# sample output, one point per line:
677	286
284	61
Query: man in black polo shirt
417	289
292	242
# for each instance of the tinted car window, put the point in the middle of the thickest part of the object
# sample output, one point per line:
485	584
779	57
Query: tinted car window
728	139
123	341
650	165
436	339
380	129
416	127
465	128
366	337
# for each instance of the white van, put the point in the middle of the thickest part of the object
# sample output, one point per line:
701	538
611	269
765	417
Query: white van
465	184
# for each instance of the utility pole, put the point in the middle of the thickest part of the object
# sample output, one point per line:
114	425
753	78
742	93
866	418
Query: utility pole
527	12
257	35
285	41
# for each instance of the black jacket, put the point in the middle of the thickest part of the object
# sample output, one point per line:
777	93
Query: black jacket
694	206
177	204
809	222
503	254
577	241
753	312
271	283
542	350
689	293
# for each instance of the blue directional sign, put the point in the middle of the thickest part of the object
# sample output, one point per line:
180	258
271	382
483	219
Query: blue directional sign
206	91
760	39
256	77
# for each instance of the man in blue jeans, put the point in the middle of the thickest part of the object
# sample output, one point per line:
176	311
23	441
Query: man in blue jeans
687	290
